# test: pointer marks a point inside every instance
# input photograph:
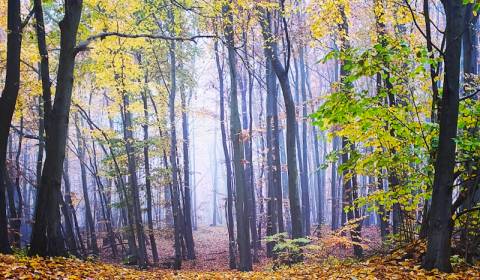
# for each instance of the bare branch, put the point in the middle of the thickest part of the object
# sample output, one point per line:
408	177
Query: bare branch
82	46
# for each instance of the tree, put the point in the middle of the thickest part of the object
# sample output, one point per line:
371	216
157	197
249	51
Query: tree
7	108
440	222
148	184
83	170
271	49
46	237
241	204
228	164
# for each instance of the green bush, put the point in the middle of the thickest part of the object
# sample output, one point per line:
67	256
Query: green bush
287	251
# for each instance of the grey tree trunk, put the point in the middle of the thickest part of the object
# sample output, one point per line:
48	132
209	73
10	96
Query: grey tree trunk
133	180
241	203
88	210
187	211
272	185
69	213
271	48
148	183
228	164
68	227
304	176
174	192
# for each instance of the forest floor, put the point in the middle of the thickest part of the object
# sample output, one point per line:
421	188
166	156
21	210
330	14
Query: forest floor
329	261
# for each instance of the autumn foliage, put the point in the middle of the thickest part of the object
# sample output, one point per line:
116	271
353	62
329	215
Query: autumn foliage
400	264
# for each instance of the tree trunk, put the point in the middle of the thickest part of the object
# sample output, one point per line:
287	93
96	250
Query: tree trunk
350	186
148	183
228	164
133	179
187	211
272	184
440	222
304	163
66	204
271	47
88	211
241	203
174	192
249	182
7	107
46	240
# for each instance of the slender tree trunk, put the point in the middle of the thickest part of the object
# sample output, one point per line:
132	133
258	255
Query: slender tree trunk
174	192
66	203
228	164
16	224
271	47
241	203
304	177
350	186
319	179
249	184
88	211
148	183
186	180
272	184
133	180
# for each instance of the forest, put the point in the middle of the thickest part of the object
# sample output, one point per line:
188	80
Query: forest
239	139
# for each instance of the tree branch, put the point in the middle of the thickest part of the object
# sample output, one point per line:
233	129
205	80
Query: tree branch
82	46
470	95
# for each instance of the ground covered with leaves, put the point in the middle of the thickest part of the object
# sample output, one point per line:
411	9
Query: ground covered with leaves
328	258
394	266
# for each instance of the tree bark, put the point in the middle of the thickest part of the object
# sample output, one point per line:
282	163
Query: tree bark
440	224
241	203
133	180
46	239
7	108
174	192
187	211
271	48
148	183
88	210
228	164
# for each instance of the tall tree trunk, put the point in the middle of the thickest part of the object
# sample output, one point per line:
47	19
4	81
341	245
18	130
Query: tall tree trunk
66	203
228	164
16	224
318	171
350	186
304	177
187	211
241	203
148	183
83	171
440	224
133	179
174	192
249	182
271	48
272	188
46	239
7	107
